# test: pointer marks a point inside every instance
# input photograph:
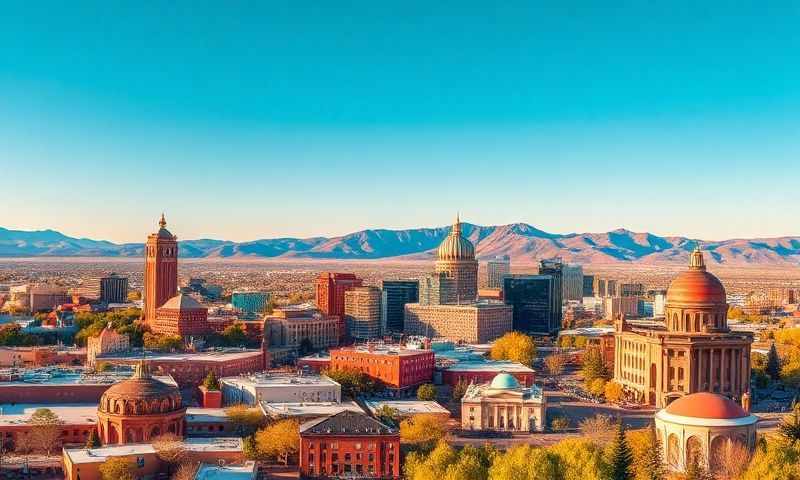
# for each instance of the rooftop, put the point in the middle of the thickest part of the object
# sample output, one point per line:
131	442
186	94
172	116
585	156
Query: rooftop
69	413
347	423
489	366
307	409
407	407
100	455
382	350
278	380
247	471
208	356
205	415
475	391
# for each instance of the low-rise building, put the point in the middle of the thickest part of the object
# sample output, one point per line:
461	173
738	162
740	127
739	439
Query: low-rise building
483	371
408	408
78	421
316	362
479	322
503	405
181	315
106	342
265	387
208	422
349	444
288	327
400	370
306	411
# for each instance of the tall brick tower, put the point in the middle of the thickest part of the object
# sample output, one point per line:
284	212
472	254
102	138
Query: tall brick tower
160	269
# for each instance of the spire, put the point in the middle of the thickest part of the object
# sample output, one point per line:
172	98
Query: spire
696	258
457	226
162	223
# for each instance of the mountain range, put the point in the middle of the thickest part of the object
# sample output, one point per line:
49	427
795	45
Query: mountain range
522	242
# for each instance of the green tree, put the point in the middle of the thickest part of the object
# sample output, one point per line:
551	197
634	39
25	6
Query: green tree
234	335
245	420
594	366
93	441
211	383
621	457
388	415
426	392
354	383
516	347
773	368
774	460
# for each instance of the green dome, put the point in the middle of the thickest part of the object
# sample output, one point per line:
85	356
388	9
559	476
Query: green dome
504	381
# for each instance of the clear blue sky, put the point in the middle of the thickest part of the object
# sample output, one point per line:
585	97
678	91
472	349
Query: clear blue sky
299	118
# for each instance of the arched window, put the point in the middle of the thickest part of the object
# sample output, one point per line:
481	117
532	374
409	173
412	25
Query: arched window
694	451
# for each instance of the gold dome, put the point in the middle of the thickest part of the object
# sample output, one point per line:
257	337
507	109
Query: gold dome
696	285
455	246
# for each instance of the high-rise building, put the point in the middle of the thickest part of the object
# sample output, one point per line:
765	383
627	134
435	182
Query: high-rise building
250	303
572	281
330	295
396	293
160	269
114	289
437	289
456	259
531	297
631	290
554	267
588	285
362	312
288	326
496	269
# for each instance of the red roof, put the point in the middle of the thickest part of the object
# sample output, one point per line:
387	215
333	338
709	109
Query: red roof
706	405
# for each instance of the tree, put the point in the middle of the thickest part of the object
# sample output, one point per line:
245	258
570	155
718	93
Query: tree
789	427
525	462
597	387
118	468
250	448
211	383
695	469
186	471
103	367
648	463
388	415
731	460
170	449
581	341
245	420
516	347
597	429
459	389
93	441
234	335
593	366
621	457
613	391
554	364
354	383
423	430
566	341
426	392
579	459
45	430
559	424
279	440
774	460
163	343
773	368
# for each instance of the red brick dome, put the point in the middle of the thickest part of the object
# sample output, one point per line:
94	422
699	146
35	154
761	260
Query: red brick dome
706	405
696	285
141	395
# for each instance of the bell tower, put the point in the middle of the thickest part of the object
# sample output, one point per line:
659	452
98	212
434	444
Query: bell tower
160	269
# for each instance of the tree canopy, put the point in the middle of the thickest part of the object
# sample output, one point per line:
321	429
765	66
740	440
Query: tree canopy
516	347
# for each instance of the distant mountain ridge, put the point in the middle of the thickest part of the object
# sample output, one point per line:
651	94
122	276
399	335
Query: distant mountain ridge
523	242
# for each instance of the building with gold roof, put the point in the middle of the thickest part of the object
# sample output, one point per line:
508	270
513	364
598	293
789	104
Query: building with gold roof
140	408
456	260
694	351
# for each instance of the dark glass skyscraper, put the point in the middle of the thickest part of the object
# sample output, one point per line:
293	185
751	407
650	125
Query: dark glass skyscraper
532	299
588	285
554	267
396	293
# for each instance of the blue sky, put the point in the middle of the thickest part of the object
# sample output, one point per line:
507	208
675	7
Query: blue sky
262	119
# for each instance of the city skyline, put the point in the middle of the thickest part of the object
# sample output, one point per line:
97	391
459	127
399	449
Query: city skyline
243	122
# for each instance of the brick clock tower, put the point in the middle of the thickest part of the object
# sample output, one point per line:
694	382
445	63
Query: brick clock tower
160	269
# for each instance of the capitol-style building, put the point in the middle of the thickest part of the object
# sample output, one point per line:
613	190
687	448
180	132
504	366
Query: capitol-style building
694	351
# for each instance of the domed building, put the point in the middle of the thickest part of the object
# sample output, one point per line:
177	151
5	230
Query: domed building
697	427
693	351
456	260
503	405
140	408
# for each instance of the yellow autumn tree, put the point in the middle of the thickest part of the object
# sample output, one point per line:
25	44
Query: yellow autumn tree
423	429
279	440
516	347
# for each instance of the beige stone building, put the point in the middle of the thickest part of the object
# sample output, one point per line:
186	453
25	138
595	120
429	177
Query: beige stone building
694	351
456	259
288	326
479	322
698	427
362	312
108	341
503	405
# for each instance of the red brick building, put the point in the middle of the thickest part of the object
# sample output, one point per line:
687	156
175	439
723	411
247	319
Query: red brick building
330	295
400	370
349	444
160	269
181	315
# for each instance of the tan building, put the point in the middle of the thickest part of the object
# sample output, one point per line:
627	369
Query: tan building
694	351
698	427
362	312
616	306
503	405
288	326
496	269
456	259
108	341
479	322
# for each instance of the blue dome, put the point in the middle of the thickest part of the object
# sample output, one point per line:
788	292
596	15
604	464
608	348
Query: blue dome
504	381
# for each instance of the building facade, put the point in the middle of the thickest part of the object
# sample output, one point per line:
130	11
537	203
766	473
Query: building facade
554	268
107	342
362	312
330	295
694	351
496	269
181	315
399	370
160	269
503	405
478	322
395	295
531	297
114	289
588	285
572	281
349	445
288	326
437	289
456	259
279	388
250	303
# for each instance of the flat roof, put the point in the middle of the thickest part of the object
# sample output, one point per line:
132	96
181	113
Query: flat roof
247	471
408	407
383	350
212	356
307	409
489	366
100	455
588	331
70	413
278	380
206	415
